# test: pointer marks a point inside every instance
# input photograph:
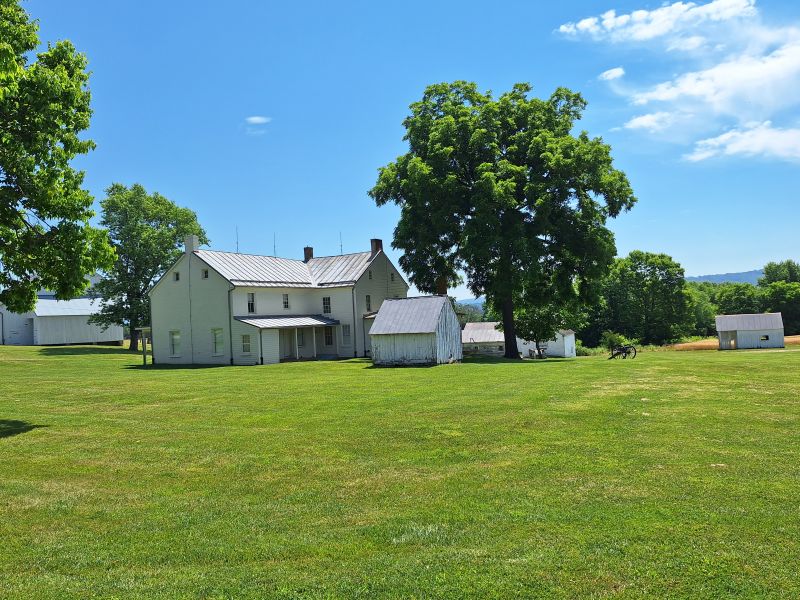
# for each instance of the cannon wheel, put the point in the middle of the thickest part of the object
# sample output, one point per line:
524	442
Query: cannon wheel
633	350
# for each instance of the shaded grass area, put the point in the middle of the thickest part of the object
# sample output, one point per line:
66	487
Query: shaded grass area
676	474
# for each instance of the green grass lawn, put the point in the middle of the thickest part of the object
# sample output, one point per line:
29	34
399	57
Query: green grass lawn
676	474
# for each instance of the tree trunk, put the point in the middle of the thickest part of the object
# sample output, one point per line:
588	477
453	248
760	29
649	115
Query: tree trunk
441	286
510	334
134	339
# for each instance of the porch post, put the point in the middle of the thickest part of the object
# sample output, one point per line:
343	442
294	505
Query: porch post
296	347
314	340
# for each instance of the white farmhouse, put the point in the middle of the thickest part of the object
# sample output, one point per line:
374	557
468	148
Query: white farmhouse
738	332
412	331
487	339
215	307
55	322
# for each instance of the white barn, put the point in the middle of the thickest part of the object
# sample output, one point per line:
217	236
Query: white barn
214	307
486	339
56	322
740	332
414	331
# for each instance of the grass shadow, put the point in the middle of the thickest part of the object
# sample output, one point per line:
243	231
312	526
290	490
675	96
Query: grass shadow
151	367
10	427
87	350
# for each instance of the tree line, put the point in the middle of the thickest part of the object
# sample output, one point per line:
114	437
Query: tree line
646	298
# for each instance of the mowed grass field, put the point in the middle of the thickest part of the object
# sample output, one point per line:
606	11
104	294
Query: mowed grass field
676	474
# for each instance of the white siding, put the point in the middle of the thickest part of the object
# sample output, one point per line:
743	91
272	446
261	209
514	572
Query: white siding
448	336
404	349
748	340
17	328
269	345
72	330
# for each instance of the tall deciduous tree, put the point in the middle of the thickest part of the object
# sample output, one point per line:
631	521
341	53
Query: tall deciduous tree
784	297
786	270
147	231
646	298
502	191
738	298
45	236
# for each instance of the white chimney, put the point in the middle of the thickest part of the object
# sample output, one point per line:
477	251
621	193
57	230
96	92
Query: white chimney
191	243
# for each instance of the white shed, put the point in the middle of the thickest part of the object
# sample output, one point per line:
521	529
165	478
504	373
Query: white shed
739	332
55	322
422	330
487	339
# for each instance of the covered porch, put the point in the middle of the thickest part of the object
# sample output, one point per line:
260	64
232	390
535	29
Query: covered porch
291	338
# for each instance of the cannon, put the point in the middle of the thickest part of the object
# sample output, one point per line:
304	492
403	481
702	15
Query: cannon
626	351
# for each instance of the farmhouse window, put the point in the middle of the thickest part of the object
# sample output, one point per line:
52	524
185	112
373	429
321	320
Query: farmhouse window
251	302
218	341
329	336
286	301
369	303
326	304
176	276
246	344
370	274
764	338
346	334
174	343
205	273
391	276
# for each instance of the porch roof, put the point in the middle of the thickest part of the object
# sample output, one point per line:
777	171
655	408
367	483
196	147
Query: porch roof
287	322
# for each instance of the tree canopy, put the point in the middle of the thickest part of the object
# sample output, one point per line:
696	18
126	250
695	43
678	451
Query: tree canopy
147	231
46	240
504	192
786	270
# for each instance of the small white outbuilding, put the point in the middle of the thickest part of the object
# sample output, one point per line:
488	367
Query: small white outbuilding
416	331
486	339
740	332
55	322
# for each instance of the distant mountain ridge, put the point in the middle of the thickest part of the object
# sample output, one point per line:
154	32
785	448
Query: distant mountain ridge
742	277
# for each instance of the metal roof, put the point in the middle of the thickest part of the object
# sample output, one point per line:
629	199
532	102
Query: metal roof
408	315
269	271
477	333
78	307
756	322
283	322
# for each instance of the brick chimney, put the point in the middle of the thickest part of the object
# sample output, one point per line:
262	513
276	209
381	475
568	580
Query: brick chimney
375	246
191	243
308	253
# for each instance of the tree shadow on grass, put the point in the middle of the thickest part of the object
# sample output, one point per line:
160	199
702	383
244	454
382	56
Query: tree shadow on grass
151	367
83	350
9	427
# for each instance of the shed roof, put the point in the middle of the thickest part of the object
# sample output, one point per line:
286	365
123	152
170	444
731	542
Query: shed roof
408	315
287	322
477	333
77	307
757	322
270	271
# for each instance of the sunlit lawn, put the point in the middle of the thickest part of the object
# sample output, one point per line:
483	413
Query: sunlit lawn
676	474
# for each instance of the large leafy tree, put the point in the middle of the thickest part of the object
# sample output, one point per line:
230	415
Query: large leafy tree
646	298
46	239
786	270
147	231
738	298
784	297
504	192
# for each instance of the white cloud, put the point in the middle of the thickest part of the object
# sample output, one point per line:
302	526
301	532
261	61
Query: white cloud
652	122
756	140
641	25
687	44
611	74
257	120
745	86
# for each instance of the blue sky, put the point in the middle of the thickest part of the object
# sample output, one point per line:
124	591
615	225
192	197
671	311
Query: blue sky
699	101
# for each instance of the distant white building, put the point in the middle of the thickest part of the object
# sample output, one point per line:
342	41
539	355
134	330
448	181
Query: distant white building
486	339
215	307
412	331
54	322
740	332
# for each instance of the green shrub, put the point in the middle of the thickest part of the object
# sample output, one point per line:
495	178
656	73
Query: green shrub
610	340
